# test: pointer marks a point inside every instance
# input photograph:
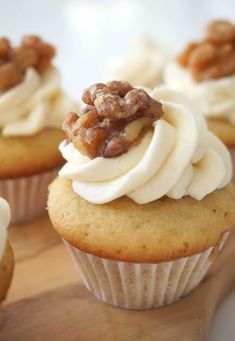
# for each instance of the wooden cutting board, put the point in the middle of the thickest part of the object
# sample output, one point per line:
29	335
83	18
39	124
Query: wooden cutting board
48	301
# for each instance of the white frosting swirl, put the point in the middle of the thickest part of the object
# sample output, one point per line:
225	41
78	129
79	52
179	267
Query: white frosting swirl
177	157
216	98
36	103
4	222
143	64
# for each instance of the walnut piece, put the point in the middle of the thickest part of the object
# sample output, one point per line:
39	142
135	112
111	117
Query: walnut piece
220	32
214	56
33	52
116	116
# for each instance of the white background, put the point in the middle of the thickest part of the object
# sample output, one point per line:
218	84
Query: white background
88	33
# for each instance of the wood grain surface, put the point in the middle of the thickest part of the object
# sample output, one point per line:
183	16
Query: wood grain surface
48	301
42	262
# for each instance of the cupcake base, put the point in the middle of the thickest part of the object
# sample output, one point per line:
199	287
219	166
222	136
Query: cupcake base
143	286
6	271
27	196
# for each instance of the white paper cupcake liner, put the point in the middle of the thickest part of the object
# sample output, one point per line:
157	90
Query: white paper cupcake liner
142	286
27	196
232	152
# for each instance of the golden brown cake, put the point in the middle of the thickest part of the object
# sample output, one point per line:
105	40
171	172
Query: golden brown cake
126	231
37	153
224	130
144	202
32	107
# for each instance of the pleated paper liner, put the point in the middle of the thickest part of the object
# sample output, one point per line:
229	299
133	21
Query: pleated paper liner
27	196
143	286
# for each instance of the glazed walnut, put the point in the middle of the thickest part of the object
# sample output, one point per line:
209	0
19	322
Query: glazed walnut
33	52
115	117
214	56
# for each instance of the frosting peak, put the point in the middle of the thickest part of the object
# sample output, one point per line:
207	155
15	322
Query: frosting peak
143	64
176	157
36	103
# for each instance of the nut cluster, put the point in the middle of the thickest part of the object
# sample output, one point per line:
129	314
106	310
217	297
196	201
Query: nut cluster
33	52
214	56
115	117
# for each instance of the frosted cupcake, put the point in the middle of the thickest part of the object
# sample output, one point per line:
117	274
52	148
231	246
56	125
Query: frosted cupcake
205	71
32	107
6	255
143	64
144	202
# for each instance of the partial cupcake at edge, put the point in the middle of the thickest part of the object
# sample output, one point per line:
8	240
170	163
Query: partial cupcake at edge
205	72
143	64
6	254
32	109
144	202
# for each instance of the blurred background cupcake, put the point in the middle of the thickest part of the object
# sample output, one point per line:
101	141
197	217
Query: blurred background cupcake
6	254
143	64
32	108
205	72
145	201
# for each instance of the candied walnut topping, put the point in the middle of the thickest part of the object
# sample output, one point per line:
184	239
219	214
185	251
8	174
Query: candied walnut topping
33	52
214	56
115	117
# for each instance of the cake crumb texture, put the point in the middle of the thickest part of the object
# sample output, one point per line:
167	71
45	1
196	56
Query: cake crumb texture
28	155
224	130
123	230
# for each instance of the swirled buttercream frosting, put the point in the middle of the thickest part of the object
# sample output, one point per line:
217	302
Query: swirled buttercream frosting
177	156
37	102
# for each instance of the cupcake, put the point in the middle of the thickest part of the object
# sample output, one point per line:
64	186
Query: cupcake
144	202
6	255
32	107
143	64
205	71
